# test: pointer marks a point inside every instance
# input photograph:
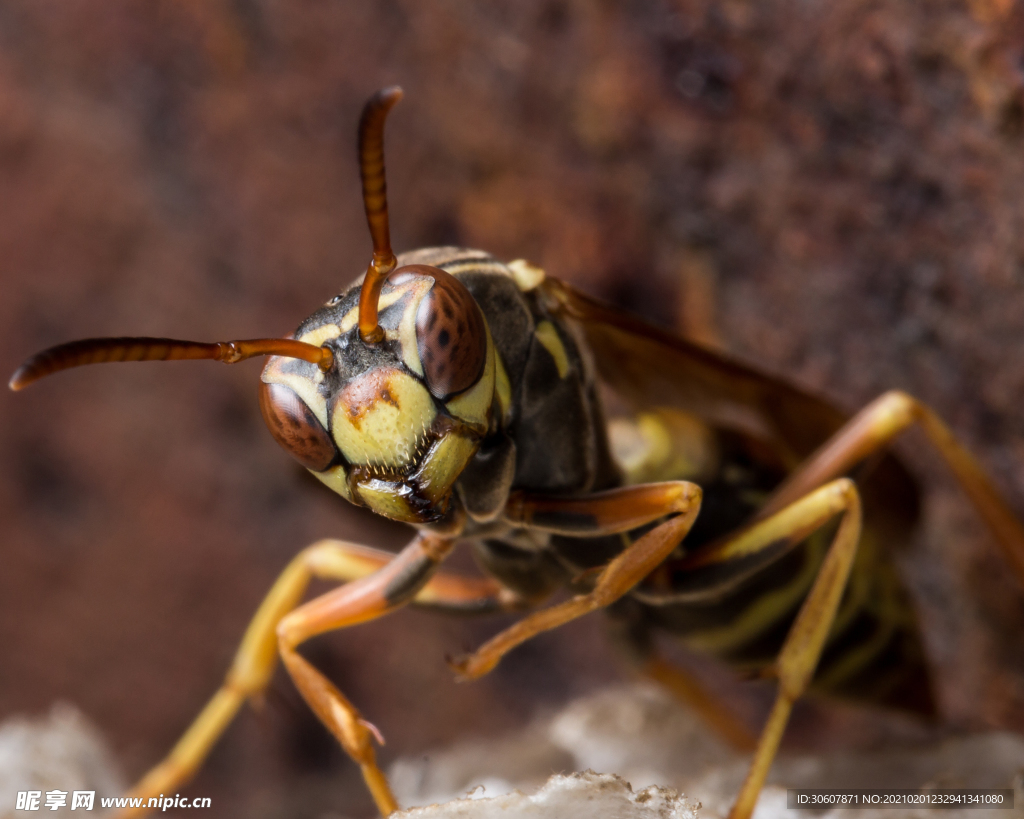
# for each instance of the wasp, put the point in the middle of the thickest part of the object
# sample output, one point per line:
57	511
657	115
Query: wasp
571	447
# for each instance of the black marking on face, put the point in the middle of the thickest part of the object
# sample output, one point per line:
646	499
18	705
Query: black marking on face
352	358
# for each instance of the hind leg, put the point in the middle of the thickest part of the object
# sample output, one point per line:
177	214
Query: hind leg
803	645
873	428
688	690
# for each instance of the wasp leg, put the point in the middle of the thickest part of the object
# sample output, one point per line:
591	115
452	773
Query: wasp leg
365	599
603	513
871	429
456	594
688	690
802	648
257	655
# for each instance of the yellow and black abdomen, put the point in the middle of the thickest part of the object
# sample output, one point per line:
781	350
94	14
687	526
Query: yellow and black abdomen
741	613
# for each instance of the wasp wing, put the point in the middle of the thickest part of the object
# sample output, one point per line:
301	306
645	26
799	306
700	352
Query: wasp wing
648	367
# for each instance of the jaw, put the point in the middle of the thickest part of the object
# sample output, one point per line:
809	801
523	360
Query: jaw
419	495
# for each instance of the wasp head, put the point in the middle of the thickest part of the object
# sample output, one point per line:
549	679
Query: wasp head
391	424
384	393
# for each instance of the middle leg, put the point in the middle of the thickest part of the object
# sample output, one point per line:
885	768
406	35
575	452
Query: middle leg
603	513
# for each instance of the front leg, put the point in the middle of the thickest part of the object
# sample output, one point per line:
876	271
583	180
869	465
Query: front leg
603	513
256	657
393	586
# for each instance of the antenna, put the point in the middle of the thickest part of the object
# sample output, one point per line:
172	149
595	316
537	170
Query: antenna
375	200
104	350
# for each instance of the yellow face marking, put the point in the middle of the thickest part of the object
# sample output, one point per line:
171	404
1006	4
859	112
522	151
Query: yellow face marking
407	326
548	336
527	276
443	464
502	387
351	318
304	386
336	480
319	335
473	406
381	418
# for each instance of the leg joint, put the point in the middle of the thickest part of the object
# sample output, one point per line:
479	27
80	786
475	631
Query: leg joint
287	638
690	496
846	489
898	408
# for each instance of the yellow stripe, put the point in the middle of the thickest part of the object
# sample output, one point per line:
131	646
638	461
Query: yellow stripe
476	266
764	612
876	591
502	388
548	336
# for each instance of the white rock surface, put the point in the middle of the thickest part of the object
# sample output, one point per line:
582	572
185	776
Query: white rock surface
489	767
575	796
647	739
647	750
61	751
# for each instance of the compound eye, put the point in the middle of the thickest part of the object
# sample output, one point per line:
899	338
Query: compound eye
451	336
295	426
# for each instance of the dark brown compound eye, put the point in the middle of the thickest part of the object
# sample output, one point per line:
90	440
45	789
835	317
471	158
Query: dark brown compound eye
295	426
451	335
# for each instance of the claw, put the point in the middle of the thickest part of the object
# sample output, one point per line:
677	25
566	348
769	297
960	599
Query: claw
373	729
470	666
459	665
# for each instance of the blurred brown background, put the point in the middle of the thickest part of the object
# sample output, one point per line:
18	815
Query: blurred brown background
832	190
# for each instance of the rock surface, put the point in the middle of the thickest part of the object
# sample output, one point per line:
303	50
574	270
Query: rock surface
586	795
650	741
61	751
628	752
